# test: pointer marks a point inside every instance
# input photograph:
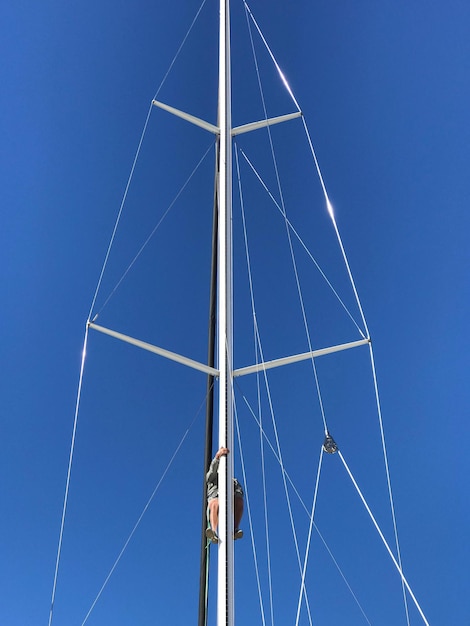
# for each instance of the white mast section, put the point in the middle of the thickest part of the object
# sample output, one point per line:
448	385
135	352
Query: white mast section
225	612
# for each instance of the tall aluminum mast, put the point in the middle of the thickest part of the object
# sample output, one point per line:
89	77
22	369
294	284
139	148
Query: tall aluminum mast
225	612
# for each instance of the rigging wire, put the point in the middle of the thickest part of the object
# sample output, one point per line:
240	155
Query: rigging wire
250	520
289	238
144	510
134	163
119	215
271	408
302	243
289	227
288	232
69	472
181	46
383	538
304	506
265	497
307	548
281	73
371	356
335	226
95	295
349	271
155	228
317	166
387	471
256	351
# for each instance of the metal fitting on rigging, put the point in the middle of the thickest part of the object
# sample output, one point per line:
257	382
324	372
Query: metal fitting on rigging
329	445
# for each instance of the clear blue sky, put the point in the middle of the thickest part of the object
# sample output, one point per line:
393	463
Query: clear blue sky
385	91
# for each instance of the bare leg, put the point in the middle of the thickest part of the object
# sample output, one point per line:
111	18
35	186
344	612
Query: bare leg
214	513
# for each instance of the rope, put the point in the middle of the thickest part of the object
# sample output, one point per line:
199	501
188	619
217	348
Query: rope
139	519
405	582
69	472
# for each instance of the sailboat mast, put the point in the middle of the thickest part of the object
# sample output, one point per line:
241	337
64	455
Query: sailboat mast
225	612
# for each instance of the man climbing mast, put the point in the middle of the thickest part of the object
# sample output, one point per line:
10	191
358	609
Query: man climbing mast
212	480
